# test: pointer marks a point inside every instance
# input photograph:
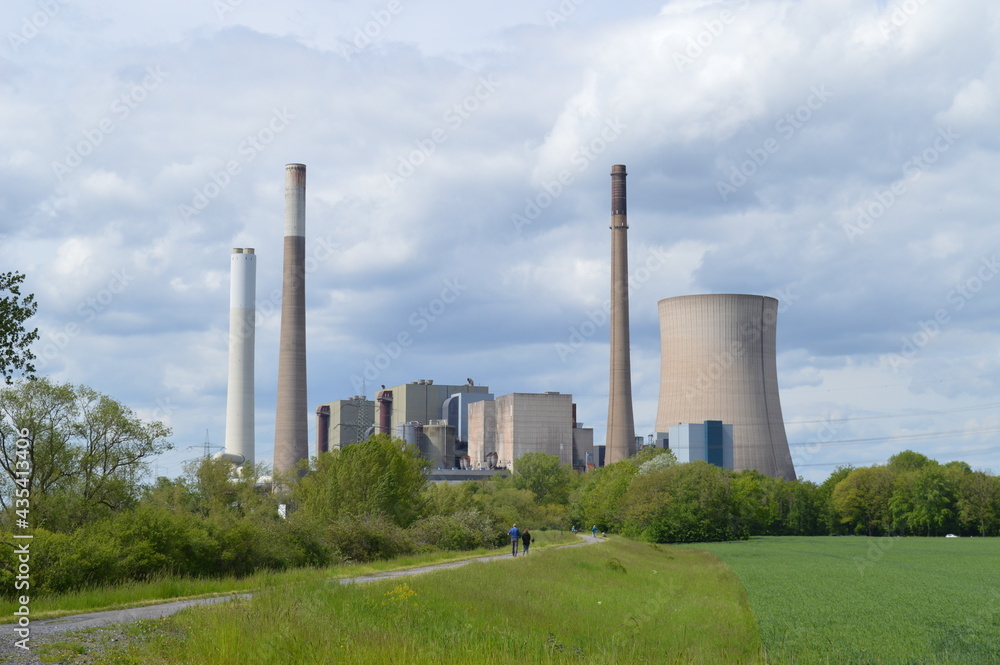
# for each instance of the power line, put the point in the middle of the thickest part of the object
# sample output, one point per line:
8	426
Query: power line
925	412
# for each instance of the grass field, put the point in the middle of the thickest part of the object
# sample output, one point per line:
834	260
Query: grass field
170	587
616	602
872	600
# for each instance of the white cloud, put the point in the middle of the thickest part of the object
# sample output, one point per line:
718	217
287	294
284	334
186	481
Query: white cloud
243	93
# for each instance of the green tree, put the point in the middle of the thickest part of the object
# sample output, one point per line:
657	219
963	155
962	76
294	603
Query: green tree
683	503
600	499
15	341
862	499
908	460
541	473
380	476
829	519
87	452
923	499
979	502
802	514
755	501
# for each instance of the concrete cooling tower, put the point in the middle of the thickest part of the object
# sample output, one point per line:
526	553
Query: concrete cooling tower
718	364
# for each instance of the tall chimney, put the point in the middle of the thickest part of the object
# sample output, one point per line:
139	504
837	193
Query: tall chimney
239	400
291	425
620	437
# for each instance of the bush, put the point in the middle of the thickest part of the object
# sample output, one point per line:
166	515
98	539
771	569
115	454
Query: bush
367	538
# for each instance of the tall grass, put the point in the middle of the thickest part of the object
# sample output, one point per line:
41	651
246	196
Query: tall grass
171	587
619	602
872	600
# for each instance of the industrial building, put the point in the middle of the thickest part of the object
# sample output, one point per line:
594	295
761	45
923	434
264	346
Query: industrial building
710	441
429	415
718	363
503	430
343	422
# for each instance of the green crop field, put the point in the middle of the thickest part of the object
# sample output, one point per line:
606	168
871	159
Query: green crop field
616	602
872	600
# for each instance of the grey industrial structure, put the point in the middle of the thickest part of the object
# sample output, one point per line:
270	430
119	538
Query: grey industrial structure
503	430
291	424
461	425
718	381
343	422
620	437
710	441
718	363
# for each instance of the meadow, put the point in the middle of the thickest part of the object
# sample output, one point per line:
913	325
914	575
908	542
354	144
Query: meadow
886	600
616	602
164	588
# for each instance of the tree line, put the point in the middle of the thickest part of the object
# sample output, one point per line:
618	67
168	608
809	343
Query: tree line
96	522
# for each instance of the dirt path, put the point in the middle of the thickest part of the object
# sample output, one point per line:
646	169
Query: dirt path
46	630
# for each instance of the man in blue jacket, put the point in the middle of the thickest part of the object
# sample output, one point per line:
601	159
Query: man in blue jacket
515	535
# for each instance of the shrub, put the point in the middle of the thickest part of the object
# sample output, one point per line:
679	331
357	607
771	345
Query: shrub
367	538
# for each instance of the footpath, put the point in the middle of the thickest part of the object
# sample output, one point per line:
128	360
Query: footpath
40	630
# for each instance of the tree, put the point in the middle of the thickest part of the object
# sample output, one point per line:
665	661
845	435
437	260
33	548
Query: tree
908	460
979	501
86	452
683	503
601	499
541	473
380	476
15	354
923	499
660	460
862	499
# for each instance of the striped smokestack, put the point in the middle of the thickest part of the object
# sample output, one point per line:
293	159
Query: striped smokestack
291	425
239	400
620	438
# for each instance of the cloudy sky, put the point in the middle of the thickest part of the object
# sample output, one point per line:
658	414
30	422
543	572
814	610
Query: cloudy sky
840	155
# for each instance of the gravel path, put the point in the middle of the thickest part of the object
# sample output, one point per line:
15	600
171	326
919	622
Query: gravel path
104	629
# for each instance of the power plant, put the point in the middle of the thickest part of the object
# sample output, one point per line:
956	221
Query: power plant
718	363
620	437
718	397
291	424
239	401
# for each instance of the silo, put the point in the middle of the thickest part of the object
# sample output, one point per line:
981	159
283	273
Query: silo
410	432
718	362
438	444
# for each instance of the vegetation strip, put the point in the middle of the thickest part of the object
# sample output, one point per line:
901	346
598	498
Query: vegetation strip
621	602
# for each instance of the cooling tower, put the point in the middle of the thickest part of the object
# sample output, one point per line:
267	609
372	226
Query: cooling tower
239	400
291	425
620	437
718	363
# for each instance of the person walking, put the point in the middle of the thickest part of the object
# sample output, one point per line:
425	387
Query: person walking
593	530
515	536
525	540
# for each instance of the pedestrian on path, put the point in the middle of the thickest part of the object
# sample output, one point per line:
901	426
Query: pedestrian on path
526	540
593	530
515	536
